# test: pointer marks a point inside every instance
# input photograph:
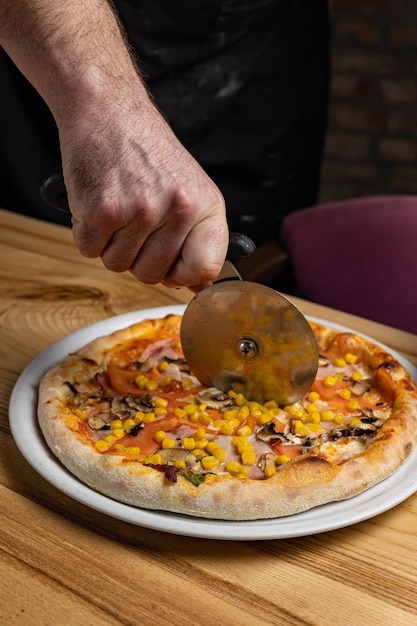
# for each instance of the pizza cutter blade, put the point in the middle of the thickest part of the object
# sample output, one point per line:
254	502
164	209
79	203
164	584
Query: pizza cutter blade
247	337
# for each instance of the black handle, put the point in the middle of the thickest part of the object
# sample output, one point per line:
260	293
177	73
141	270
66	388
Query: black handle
54	193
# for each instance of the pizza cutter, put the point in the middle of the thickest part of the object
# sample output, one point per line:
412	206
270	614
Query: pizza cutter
238	334
247	337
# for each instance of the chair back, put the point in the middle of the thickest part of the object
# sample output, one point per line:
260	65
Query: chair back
359	256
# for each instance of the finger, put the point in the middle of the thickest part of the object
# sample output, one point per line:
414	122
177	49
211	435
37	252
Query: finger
202	255
158	254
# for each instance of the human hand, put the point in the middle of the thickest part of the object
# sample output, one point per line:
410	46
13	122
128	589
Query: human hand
140	201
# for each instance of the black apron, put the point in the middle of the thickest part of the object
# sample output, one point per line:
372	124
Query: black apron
243	84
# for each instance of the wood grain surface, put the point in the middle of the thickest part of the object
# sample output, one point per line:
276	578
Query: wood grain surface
62	563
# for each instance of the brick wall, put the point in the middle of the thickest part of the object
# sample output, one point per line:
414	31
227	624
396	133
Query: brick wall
371	144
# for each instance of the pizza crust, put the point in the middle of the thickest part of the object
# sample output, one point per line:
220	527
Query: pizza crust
306	482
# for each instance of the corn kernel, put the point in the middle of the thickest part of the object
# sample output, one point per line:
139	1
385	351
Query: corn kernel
187	383
188	443
329	381
339	420
101	445
165	382
141	381
180	464
127	425
154	459
263	419
110	439
198	453
180	412
209	462
177	344
219	454
340	362
355	422
120	447
160	411
200	433
233	467
350	358
269	471
204	419
139	417
201	444
314	428
132	450
240	399
245	431
116	424
345	393
313	396
248	457
243	472
282	459
163	366
118	433
357	376
202	407
311	408
315	418
211	446
271	404
190	409
226	429
327	415
353	405
300	429
168	443
161	402
159	436
148	417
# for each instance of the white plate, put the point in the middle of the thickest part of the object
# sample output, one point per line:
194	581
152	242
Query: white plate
23	421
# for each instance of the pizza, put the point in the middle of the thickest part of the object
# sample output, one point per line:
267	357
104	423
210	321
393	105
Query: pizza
126	416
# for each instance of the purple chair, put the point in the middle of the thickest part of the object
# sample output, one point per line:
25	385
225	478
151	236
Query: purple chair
357	255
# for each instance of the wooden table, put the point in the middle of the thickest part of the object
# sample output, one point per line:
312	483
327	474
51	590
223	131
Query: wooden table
63	563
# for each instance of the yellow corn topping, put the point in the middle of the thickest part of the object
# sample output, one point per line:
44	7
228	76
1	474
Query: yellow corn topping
313	396
168	443
188	443
209	462
269	471
101	445
282	459
350	358
357	376
329	381
353	405
180	464
159	436
345	393
248	456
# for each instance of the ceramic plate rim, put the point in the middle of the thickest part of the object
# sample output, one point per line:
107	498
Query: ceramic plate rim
335	515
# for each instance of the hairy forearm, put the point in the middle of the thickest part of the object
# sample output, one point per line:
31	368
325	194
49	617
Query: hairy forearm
72	51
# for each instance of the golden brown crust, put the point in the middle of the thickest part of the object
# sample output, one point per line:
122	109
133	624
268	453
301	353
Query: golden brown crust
306	482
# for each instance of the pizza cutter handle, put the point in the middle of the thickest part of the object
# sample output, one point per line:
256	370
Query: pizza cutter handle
54	193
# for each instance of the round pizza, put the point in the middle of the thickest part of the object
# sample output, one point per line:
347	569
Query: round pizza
126	416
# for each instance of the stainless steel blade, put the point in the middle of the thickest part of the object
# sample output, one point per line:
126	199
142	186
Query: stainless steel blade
247	337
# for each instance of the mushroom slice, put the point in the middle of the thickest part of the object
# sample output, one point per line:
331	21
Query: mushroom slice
324	361
268	432
360	387
214	398
170	455
267	459
96	423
